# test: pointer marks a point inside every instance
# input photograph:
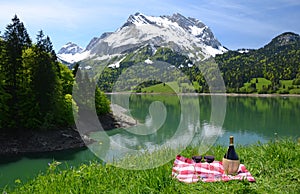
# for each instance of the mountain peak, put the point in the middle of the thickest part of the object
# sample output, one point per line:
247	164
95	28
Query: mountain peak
71	53
181	20
288	37
284	39
194	26
138	19
70	48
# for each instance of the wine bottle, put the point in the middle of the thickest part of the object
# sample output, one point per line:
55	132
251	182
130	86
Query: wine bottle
231	153
231	160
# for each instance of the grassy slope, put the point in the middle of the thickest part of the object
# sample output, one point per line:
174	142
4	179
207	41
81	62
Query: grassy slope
286	85
168	88
289	83
158	88
275	167
259	85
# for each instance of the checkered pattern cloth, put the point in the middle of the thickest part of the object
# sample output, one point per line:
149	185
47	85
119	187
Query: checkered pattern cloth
186	170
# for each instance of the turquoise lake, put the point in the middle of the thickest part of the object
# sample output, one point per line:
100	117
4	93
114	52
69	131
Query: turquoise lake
170	119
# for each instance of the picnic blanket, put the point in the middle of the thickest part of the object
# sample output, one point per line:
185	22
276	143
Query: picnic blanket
186	170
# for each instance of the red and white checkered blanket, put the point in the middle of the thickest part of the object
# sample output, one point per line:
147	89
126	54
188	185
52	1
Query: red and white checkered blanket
186	170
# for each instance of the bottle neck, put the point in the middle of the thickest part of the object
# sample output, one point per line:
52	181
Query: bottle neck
231	140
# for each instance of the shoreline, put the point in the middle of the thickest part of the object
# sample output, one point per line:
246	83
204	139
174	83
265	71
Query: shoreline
209	94
30	142
20	143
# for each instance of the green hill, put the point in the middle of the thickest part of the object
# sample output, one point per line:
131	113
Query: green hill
278	62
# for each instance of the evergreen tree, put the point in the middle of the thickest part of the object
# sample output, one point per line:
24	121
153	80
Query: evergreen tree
16	39
45	81
45	44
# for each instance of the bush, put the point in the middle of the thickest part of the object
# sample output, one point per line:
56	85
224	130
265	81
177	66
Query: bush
296	82
101	102
285	91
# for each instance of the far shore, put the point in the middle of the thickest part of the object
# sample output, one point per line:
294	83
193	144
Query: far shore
210	94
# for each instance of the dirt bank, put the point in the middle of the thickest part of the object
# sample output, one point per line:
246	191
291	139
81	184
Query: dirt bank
31	141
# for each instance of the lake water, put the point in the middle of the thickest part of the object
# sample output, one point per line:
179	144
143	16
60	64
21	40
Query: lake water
171	120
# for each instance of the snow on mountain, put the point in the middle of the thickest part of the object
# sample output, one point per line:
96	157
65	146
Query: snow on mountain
71	53
116	64
181	34
148	61
186	35
243	50
70	48
73	58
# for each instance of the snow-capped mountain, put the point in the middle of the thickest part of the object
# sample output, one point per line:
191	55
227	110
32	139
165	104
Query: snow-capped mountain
188	36
71	53
70	48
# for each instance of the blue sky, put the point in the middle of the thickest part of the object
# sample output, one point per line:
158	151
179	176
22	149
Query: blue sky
236	24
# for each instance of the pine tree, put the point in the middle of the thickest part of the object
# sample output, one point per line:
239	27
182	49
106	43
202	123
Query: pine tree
45	81
16	39
43	43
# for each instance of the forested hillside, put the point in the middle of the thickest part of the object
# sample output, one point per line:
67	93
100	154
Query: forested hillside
277	62
36	89
110	75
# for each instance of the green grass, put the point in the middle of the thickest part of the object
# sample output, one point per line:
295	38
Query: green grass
261	82
286	83
171	88
295	91
158	88
286	86
274	165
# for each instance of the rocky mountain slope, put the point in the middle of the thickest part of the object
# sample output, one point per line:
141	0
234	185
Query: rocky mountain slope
188	36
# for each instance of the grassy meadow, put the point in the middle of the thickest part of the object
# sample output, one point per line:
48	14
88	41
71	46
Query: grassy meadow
255	86
274	165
